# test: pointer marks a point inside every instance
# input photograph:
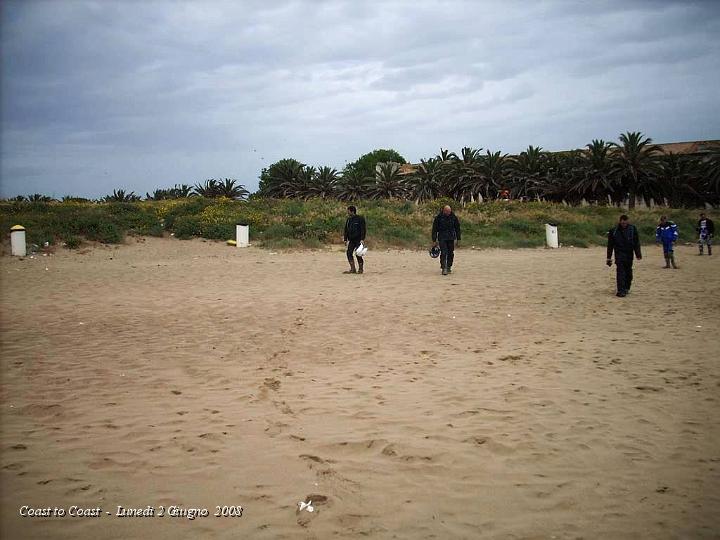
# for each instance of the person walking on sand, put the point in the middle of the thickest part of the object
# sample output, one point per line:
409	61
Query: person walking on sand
706	230
667	233
623	239
353	236
446	232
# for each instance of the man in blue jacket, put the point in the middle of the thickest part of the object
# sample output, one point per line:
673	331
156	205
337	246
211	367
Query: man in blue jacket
623	239
667	233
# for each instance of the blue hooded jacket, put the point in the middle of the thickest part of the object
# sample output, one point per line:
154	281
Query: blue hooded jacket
666	233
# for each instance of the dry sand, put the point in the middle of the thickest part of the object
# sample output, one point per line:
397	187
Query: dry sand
516	398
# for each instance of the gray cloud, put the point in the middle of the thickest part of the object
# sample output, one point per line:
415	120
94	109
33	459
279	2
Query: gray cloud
100	94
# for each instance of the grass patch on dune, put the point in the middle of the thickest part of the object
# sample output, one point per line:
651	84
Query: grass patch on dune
293	224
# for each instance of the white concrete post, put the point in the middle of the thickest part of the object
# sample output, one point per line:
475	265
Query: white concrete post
551	236
17	241
242	235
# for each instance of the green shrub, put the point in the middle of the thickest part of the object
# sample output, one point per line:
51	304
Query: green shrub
278	231
187	227
156	230
282	243
73	242
108	233
294	224
522	226
217	231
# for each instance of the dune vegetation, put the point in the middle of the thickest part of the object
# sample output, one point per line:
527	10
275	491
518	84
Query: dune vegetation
314	223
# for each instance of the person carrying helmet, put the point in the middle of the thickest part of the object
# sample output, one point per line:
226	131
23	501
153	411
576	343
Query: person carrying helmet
623	239
667	233
445	233
353	236
705	228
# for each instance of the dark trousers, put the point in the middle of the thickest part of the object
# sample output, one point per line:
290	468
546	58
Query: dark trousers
624	274
352	246
447	253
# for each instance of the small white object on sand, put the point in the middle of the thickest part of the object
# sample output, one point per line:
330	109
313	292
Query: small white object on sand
306	506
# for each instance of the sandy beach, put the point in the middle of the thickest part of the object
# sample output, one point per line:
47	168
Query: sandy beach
515	398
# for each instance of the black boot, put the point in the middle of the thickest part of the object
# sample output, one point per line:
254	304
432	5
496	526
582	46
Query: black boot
352	269
672	260
360	266
667	261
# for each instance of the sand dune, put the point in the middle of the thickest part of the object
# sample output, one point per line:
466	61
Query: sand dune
516	398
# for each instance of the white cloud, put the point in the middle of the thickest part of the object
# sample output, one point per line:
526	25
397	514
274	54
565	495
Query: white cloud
100	95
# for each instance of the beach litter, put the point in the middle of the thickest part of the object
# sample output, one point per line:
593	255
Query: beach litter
306	506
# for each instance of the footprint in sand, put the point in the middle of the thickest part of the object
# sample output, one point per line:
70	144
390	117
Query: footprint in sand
477	441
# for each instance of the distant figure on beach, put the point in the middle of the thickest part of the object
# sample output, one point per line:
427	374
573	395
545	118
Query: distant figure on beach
623	239
667	234
354	234
706	230
445	233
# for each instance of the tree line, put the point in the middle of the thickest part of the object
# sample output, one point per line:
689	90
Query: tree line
603	172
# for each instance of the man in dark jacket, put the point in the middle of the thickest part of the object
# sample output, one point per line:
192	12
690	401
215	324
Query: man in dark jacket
445	232
706	230
624	240
353	235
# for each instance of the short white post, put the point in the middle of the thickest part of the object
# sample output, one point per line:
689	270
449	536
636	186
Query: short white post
17	241
242	235
551	235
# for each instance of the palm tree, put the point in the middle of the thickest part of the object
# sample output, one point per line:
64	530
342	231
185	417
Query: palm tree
353	186
597	181
635	162
678	181
325	183
445	155
38	197
470	175
119	195
280	176
525	173
493	167
560	172
208	189
181	191
461	176
158	195
178	191
389	184
711	170
301	185
231	189
424	183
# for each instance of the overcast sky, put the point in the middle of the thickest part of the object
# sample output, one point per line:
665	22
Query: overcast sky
140	95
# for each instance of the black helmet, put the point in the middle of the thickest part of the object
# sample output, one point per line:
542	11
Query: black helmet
434	252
